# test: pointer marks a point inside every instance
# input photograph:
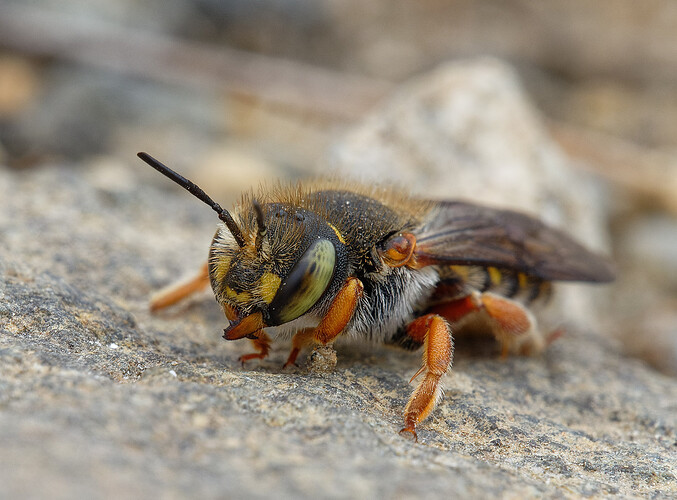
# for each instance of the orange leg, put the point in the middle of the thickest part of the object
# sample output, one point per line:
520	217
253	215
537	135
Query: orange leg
455	310
438	348
333	323
179	291
511	323
262	345
301	339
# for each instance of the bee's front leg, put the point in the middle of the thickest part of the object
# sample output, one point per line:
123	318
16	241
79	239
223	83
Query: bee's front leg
438	348
261	343
333	323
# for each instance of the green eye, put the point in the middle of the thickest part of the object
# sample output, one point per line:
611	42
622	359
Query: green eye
305	283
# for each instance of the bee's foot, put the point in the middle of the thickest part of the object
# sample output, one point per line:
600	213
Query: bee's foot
409	432
554	335
291	359
246	357
290	363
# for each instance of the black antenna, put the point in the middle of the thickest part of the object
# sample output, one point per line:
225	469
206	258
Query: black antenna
224	215
261	232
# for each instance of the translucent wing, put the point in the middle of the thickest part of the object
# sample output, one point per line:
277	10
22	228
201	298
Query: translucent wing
461	233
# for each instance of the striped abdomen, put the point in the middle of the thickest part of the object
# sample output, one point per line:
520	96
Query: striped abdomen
458	281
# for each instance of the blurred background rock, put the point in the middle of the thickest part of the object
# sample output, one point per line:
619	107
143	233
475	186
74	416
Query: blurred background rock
566	108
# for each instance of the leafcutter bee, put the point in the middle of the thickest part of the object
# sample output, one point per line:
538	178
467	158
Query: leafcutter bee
324	260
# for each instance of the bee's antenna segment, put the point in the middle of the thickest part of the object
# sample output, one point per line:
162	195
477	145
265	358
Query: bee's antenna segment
261	232
195	190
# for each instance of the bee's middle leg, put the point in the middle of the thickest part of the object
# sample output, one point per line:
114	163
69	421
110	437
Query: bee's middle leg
302	338
438	348
339	314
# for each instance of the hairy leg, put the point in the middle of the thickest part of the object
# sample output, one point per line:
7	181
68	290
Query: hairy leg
511	323
339	314
179	291
434	332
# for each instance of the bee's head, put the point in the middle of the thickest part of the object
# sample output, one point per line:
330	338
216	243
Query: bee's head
284	267
270	266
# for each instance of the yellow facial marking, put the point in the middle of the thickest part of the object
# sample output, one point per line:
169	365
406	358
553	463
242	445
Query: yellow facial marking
338	234
269	284
222	267
495	276
240	298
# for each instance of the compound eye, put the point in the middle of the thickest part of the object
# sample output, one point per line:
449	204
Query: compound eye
305	283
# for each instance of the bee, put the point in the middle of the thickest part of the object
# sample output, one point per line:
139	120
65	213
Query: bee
327	260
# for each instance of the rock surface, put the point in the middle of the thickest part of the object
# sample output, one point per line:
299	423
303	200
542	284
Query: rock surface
98	398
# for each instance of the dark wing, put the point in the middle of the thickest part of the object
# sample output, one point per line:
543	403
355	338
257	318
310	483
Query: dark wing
461	233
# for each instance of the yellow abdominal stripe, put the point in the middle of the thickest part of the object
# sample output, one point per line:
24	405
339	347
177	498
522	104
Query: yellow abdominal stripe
523	280
462	271
494	275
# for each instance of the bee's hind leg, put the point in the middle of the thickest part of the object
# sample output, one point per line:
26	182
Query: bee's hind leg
434	333
179	291
511	323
